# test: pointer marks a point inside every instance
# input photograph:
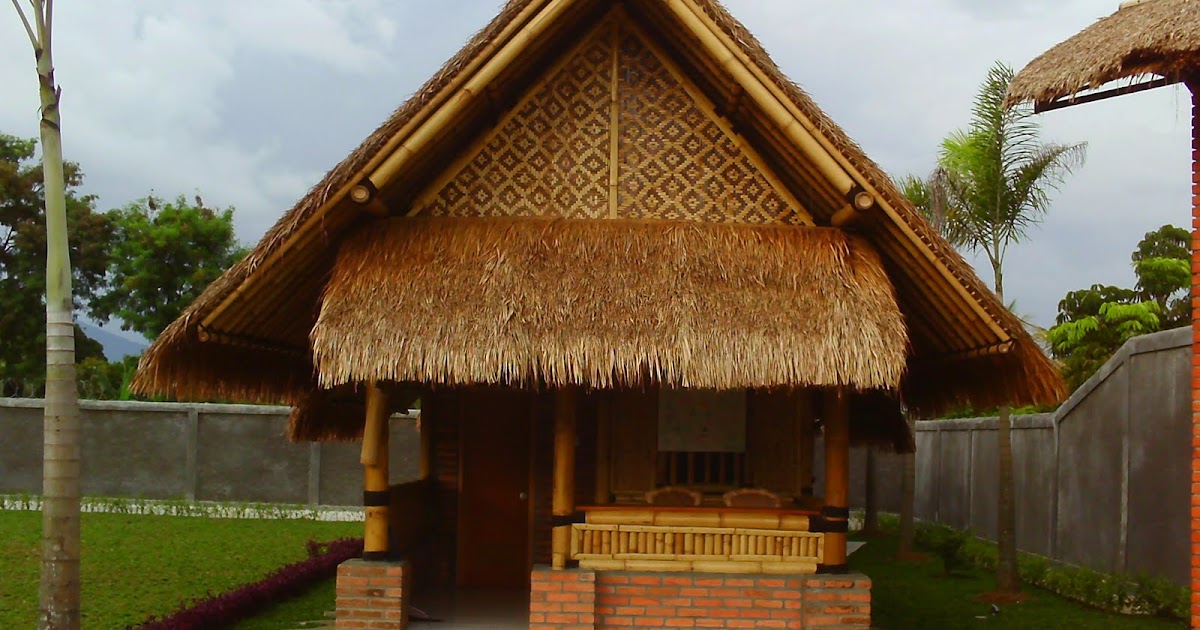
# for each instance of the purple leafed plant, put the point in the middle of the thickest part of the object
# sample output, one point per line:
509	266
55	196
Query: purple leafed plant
216	611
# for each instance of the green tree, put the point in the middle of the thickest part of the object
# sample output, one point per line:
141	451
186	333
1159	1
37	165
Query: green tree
58	595
1094	323
992	184
23	263
163	256
1162	264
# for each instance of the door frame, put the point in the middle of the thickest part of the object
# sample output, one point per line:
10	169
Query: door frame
531	426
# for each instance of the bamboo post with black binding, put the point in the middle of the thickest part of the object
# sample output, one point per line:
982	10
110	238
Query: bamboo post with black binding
836	513
564	474
375	463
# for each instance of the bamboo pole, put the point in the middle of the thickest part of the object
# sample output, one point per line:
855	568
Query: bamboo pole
806	137
477	84
449	97
706	105
836	417
564	472
792	126
375	534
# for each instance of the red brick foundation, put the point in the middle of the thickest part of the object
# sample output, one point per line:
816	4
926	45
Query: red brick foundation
372	595
1194	85
582	599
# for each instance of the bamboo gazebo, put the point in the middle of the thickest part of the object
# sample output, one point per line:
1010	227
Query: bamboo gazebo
631	271
1145	44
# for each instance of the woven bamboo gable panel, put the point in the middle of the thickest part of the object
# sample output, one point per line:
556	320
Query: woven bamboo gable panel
675	162
552	155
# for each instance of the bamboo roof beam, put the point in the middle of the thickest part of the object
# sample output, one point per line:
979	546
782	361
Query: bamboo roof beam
367	197
858	203
465	94
709	108
773	107
307	236
430	192
927	289
779	108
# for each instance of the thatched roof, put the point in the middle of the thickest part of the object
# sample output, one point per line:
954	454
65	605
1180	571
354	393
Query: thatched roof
619	303
248	336
1160	37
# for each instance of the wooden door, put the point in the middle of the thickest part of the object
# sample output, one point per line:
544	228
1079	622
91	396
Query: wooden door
494	508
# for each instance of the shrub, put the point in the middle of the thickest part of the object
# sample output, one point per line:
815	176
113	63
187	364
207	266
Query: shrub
1116	593
218	611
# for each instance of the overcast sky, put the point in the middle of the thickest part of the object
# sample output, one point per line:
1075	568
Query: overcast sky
250	103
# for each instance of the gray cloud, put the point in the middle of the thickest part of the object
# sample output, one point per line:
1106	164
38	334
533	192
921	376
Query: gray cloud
251	102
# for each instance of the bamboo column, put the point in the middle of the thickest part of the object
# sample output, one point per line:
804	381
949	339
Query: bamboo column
375	462
564	474
804	441
603	448
836	513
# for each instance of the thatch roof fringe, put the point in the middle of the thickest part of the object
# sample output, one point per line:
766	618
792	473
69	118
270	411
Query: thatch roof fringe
619	303
1159	37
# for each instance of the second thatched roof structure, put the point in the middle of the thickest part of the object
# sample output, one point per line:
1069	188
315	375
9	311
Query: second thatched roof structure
1151	37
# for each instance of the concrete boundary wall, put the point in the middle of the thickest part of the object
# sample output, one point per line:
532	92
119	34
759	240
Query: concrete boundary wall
196	452
1102	482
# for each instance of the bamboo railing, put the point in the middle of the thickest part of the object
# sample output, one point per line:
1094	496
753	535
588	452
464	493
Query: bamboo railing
700	540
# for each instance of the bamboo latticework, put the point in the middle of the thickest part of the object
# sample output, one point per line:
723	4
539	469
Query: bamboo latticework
703	549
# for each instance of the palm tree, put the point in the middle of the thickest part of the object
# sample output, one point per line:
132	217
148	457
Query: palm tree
916	190
59	591
993	183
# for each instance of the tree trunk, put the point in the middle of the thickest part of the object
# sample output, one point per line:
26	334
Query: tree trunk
1007	580
908	485
59	589
871	513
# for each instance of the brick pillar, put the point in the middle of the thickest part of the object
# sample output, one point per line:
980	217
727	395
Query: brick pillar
1194	85
372	594
562	599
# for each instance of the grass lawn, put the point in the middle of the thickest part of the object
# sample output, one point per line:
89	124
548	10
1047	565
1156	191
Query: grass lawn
310	606
135	566
909	595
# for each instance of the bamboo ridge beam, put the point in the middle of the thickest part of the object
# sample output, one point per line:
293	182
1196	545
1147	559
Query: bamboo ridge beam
796	127
467	93
564	472
438	103
375	486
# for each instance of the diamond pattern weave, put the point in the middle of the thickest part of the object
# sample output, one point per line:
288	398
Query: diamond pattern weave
552	157
676	163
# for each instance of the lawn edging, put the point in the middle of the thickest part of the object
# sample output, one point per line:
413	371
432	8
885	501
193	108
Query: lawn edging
244	601
193	509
